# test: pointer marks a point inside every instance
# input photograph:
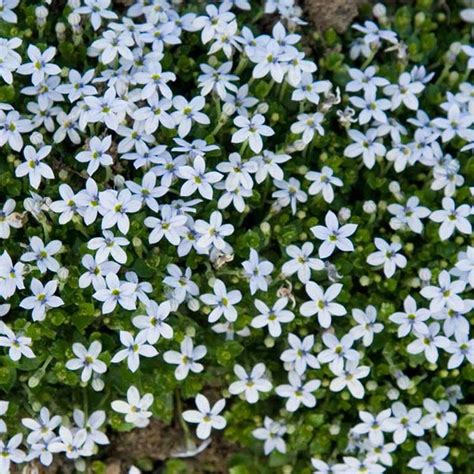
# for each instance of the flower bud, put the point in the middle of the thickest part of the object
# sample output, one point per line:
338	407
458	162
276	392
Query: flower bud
36	139
41	14
394	187
379	10
424	274
299	145
262	108
119	181
269	341
63	274
393	394
213	61
369	207
371	385
60	29
98	384
193	304
334	429
344	214
63	175
266	228
74	19
74	4
420	18
228	108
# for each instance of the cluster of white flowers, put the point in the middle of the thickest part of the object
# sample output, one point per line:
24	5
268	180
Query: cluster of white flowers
112	116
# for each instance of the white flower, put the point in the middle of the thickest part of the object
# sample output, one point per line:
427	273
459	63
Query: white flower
223	302
272	317
189	112
272	433
42	300
301	262
136	408
107	109
42	254
322	182
66	206
268	165
11	128
374	426
256	271
430	459
153	325
289	193
333	236
147	192
271	59
9	452
181	282
446	294
97	154
438	416
298	392
40	65
186	360
8	219
96	272
134	348
171	225
7	14
79	86
457	123
211	233
299	356
239	103
409	215
367	326
322	303
87	202
115	291
11	276
91	425
428	343
462	348
308	125
41	428
337	351
238	172
115	207
87	360
206	417
452	218
349	378
365	80
197	179
404	421
251	129
109	245
405	91
412	320
372	109
365	145
387	256
18	345
250	384
34	167
218	80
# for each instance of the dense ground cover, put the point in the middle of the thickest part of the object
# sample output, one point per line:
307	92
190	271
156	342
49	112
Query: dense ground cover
256	234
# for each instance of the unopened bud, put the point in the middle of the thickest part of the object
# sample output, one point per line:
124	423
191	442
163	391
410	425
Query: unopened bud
369	207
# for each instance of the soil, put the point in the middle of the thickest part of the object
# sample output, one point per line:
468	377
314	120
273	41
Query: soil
337	14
